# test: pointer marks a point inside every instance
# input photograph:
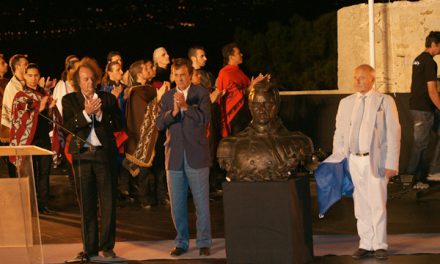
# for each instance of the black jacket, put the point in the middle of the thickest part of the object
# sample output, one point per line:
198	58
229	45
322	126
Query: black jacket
74	120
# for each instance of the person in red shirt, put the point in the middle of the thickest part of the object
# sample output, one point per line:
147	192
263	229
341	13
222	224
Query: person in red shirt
234	85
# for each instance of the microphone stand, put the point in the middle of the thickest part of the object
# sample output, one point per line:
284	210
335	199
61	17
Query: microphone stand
79	141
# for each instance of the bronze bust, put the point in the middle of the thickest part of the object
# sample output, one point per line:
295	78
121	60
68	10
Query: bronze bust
265	150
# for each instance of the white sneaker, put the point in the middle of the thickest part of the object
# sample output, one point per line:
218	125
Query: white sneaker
434	177
420	186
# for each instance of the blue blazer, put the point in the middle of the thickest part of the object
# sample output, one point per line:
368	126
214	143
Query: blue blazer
186	131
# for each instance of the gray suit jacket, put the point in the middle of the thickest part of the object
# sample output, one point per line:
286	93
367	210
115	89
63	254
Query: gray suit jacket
383	131
187	131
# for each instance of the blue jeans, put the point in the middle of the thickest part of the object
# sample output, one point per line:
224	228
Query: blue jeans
198	181
423	125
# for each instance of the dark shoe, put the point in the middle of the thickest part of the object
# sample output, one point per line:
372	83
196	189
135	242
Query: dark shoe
164	202
361	253
381	254
80	258
177	251
45	211
204	251
108	253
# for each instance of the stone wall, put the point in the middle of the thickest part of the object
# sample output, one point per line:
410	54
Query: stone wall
400	31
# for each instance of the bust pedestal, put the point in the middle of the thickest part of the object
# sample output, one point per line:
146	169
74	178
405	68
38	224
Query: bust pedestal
268	222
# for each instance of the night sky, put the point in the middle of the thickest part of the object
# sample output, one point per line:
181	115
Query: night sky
50	30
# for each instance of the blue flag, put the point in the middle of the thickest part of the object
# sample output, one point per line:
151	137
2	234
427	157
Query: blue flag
333	180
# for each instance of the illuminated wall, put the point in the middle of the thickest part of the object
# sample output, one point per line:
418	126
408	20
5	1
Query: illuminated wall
400	31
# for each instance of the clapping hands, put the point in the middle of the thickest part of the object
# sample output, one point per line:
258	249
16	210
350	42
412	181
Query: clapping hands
44	102
93	106
163	89
179	103
47	83
258	79
117	90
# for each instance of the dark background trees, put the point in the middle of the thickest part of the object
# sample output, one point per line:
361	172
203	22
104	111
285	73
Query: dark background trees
294	41
300	54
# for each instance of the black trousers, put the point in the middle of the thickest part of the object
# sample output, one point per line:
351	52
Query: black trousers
216	175
158	170
41	165
146	187
95	183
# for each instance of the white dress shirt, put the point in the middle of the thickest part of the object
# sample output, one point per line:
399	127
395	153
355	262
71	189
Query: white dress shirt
92	138
364	145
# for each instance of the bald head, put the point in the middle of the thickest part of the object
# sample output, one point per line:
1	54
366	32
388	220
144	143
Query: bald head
366	67
364	77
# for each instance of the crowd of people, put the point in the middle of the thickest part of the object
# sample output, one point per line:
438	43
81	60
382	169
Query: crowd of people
128	134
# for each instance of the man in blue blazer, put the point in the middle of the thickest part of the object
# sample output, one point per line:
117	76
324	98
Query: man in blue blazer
368	134
184	113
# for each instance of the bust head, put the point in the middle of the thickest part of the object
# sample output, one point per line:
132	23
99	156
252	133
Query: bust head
264	103
265	150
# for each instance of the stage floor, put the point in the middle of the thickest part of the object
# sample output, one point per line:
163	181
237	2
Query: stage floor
326	247
145	236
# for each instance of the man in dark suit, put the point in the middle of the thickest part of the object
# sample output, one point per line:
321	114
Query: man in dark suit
185	112
93	117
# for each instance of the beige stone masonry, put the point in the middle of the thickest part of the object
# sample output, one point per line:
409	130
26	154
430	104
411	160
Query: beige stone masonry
400	31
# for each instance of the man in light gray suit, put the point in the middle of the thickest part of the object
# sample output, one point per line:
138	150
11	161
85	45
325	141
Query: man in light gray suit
368	135
185	113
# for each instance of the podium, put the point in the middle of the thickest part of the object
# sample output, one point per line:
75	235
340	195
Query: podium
20	236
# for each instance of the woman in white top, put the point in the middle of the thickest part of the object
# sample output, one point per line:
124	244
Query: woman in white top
64	86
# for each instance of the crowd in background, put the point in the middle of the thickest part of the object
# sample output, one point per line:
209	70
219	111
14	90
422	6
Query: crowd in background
140	178
132	133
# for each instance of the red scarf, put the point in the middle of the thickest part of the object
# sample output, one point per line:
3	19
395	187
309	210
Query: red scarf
235	82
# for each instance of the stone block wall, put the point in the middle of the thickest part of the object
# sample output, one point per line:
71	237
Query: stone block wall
400	31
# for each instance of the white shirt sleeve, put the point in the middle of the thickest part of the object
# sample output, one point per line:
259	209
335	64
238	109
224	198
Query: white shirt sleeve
87	117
